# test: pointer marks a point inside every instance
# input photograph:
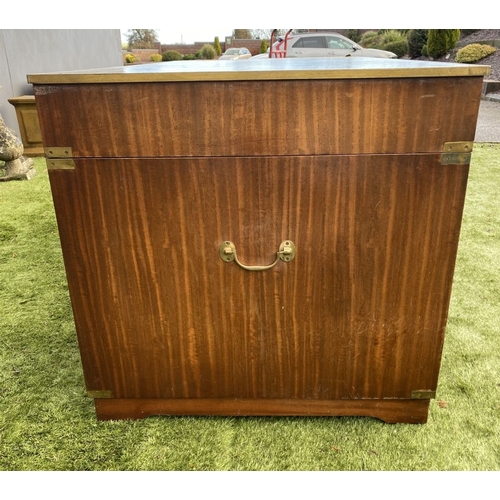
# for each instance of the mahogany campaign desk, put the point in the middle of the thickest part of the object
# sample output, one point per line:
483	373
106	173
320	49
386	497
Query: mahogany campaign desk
273	237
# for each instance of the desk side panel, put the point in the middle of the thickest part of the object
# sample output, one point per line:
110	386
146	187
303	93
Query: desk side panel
359	313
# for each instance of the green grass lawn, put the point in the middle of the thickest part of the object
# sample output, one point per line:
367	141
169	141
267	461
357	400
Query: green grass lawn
48	423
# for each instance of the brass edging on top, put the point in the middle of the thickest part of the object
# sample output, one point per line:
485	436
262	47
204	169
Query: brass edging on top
272	69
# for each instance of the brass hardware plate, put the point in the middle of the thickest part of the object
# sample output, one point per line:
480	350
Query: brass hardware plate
423	394
458	147
58	152
60	164
59	158
286	252
455	159
99	394
456	153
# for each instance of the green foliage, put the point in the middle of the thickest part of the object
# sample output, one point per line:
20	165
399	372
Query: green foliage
217	47
368	38
130	58
474	52
393	36
207	52
416	41
189	57
452	37
264	45
171	55
400	47
391	40
400	31
436	43
354	35
156	58
440	42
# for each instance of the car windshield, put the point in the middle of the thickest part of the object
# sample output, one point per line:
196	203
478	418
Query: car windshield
231	52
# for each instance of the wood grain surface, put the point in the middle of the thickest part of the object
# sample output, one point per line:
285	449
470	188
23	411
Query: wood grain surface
260	118
359	313
389	410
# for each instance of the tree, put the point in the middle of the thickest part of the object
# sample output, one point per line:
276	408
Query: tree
439	42
217	47
354	35
142	39
242	34
261	34
416	41
452	37
265	34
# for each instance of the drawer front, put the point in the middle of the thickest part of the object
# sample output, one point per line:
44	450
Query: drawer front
359	312
298	117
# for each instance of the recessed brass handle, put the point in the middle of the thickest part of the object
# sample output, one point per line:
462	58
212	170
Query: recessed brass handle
286	253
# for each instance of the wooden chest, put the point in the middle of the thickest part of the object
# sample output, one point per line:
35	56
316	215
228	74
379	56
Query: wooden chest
268	237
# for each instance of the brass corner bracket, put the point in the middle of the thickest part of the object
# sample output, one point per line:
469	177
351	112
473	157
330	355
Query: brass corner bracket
99	394
423	394
59	158
456	153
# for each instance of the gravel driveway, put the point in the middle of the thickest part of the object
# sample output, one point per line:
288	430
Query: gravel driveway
488	123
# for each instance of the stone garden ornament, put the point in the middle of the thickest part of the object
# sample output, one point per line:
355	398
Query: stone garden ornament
17	166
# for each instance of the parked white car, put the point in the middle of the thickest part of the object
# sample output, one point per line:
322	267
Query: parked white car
236	53
323	45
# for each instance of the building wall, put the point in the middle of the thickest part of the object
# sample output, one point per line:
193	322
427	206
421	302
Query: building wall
23	52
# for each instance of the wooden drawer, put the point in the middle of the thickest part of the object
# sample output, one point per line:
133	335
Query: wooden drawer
261	118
